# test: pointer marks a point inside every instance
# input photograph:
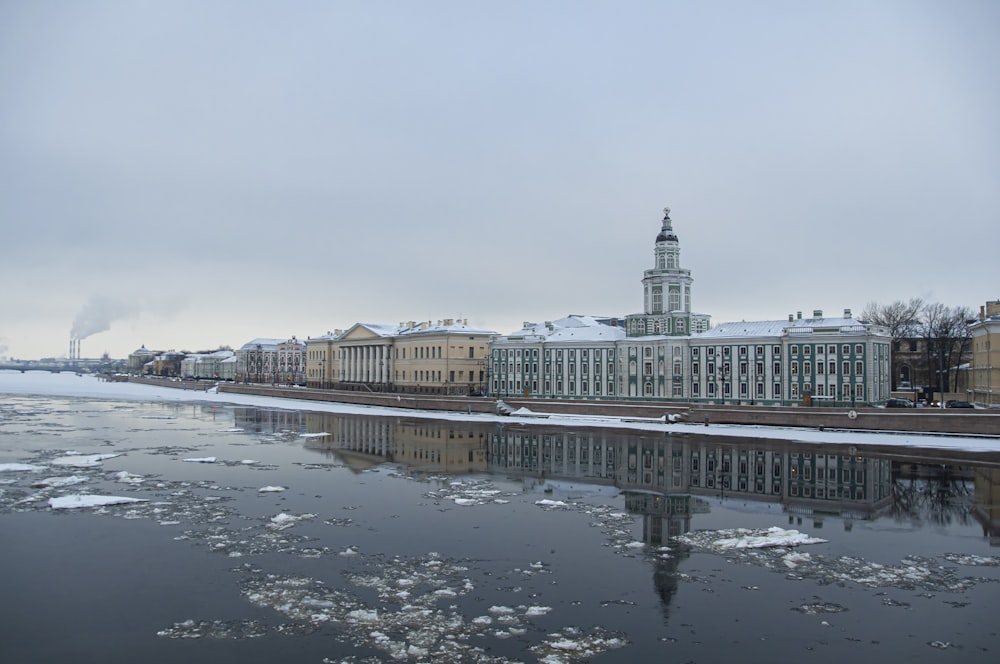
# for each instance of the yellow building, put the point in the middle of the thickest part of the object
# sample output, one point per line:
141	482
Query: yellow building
984	388
448	357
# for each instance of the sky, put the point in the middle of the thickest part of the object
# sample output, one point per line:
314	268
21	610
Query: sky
190	175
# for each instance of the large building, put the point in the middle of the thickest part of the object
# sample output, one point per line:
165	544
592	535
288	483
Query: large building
275	361
811	360
446	357
985	367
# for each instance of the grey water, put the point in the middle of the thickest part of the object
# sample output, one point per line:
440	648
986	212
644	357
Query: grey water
269	534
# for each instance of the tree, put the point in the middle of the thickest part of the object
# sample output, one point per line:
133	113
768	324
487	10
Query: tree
901	319
946	335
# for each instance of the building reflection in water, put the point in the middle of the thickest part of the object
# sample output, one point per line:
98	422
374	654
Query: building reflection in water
260	420
426	445
667	478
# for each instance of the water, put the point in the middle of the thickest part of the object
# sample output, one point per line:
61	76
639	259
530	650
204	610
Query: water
396	539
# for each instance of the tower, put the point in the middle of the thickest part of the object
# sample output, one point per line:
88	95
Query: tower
666	289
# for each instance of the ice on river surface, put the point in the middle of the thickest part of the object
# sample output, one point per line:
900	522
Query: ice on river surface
308	555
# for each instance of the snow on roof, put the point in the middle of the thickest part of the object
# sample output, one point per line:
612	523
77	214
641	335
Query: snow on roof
453	328
777	328
268	344
570	329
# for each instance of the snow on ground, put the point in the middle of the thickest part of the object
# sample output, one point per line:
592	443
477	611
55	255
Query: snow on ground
72	385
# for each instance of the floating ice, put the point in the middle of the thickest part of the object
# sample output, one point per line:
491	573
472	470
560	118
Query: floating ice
75	501
545	502
19	467
774	536
82	461
55	482
271	489
202	460
283	520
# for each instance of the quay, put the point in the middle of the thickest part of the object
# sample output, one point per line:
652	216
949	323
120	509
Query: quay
966	422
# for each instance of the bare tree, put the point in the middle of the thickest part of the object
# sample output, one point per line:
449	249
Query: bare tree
946	334
901	319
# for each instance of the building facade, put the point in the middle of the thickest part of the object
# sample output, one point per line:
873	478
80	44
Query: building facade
666	292
984	388
446	357
274	361
813	361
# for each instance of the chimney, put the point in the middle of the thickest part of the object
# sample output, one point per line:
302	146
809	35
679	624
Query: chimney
791	318
847	313
798	315
817	313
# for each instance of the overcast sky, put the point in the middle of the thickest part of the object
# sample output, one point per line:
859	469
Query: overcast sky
185	175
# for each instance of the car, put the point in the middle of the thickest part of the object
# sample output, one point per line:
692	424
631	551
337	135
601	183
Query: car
957	403
899	403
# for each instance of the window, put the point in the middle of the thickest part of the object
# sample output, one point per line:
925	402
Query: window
694	352
759	350
845	367
807	367
725	351
845	349
859	368
743	368
806	350
743	351
776	351
694	368
795	368
858	349
819	366
647	368
472	351
777	369
832	368
711	352
759	368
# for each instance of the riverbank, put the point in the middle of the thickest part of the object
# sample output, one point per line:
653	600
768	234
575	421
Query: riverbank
862	418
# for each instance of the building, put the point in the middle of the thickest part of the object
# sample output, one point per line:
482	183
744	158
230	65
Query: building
808	361
666	290
984	388
139	358
209	365
447	357
275	361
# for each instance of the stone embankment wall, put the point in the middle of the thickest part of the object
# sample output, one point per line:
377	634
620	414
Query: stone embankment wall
926	420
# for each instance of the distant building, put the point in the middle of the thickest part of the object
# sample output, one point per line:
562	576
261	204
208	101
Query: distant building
275	361
139	358
208	365
985	366
813	360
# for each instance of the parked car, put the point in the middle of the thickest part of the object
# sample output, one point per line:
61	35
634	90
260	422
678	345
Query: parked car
899	403
956	403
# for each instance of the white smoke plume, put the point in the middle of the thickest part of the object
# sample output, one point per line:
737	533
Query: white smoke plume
98	314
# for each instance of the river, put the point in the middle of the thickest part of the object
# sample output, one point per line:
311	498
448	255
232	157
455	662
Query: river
243	533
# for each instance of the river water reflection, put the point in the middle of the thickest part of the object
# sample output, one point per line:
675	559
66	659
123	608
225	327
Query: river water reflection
259	534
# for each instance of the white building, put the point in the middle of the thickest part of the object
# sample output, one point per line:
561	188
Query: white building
799	361
276	361
207	365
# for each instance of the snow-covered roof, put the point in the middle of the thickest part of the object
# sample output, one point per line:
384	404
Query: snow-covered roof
778	328
267	344
569	329
451	328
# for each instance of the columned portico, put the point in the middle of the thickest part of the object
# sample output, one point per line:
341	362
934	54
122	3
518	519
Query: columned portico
367	364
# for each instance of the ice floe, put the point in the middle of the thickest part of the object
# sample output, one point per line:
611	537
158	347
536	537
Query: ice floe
271	489
75	501
19	467
82	460
201	460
